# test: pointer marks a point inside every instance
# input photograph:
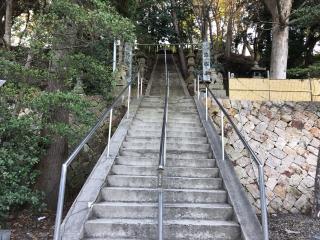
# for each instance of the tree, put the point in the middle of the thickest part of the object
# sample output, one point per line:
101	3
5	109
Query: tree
305	21
8	24
67	40
175	21
280	11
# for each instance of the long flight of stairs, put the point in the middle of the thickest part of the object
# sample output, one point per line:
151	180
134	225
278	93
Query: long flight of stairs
195	202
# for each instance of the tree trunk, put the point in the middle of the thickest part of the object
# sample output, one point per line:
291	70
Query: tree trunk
2	23
244	50
229	38
309	47
51	162
57	150
8	24
316	207
246	45
182	58
280	11
279	54
211	34
205	24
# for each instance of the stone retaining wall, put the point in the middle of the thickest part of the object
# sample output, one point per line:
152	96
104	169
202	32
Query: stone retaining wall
286	137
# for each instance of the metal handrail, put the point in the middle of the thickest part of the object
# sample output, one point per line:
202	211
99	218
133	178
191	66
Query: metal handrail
162	155
224	113
74	154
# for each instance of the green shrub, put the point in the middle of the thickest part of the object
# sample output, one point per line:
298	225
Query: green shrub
302	73
20	149
23	115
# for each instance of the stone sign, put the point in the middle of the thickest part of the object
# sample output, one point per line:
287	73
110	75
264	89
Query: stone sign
206	61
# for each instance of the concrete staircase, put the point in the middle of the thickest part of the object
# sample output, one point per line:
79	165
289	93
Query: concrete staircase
195	201
201	200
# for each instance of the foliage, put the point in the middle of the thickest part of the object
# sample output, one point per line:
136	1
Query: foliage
312	71
20	149
81	34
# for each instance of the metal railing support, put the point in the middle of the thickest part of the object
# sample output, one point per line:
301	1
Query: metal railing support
163	155
109	134
222	136
198	80
114	65
129	96
138	88
263	203
168	85
141	86
160	205
261	181
62	189
195	86
75	153
206	104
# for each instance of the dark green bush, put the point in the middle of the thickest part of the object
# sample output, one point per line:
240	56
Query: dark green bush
20	149
302	73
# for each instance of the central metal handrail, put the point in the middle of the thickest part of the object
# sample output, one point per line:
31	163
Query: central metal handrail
75	153
162	154
261	181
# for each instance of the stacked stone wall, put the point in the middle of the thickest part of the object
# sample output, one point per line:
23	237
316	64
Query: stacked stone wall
286	137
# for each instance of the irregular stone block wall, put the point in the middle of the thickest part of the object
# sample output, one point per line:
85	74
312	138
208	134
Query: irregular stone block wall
286	137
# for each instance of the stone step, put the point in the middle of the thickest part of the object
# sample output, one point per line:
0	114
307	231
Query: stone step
185	133
160	120
195	140
172	146
171	162
187	111
168	182
121	194
173	115
154	153
112	238
170	171
170	99
172	108
170	124
215	211
178	128
173	229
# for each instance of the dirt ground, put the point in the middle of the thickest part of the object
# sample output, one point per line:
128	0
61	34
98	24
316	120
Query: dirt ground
26	226
293	227
282	227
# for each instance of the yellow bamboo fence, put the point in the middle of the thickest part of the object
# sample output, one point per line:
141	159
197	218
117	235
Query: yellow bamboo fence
304	90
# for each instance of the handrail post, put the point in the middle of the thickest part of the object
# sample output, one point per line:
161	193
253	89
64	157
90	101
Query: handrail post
138	88
141	93
109	135
198	79
168	84
263	203
261	181
129	96
206	104
194	86
114	65
222	135
160	204
62	187
76	151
